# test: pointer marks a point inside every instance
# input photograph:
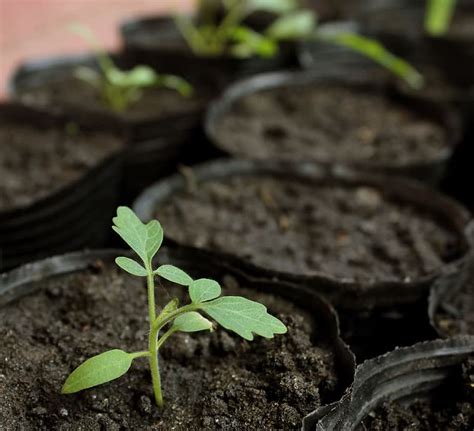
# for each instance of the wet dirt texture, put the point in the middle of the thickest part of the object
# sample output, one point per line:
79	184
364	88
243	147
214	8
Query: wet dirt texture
288	225
450	410
210	380
38	161
329	123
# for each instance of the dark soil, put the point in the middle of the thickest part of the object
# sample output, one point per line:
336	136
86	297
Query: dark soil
455	314
155	103
38	161
451	410
328	123
291	226
210	381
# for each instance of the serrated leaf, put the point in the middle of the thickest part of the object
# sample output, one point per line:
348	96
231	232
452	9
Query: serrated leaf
169	308
131	266
191	322
204	289
174	274
144	239
98	370
295	25
244	317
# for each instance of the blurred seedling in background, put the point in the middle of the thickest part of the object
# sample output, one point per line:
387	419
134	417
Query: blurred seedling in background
438	16
221	30
118	88
235	313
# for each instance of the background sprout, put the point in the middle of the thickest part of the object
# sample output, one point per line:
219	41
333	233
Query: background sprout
438	16
235	313
214	36
118	88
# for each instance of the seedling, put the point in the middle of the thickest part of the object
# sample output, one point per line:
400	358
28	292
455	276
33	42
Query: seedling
118	88
237	314
215	37
438	16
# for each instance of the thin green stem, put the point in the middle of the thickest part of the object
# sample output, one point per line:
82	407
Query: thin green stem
143	354
160	322
154	366
151	295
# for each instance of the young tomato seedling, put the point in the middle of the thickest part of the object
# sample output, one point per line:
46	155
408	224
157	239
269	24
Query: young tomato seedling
237	314
118	88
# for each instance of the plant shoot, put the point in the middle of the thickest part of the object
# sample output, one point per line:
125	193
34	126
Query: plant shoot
234	313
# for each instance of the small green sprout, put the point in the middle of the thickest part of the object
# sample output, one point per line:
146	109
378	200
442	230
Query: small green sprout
237	314
438	16
214	37
118	88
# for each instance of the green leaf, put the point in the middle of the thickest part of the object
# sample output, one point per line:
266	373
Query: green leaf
251	43
296	25
191	322
273	6
131	266
174	274
438	16
376	52
144	239
204	289
98	370
244	317
169	308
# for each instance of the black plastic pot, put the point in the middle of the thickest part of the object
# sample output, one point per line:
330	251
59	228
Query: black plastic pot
157	41
157	145
76	216
405	374
24	280
360	77
347	293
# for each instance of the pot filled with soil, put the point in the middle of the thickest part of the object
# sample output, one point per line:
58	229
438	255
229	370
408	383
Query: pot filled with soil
157	41
355	120
427	386
60	185
362	240
162	127
83	303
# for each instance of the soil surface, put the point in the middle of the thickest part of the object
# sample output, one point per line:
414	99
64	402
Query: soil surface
38	161
328	123
211	381
155	103
455	315
288	225
451	410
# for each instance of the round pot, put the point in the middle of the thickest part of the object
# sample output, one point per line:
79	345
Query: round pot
425	370
278	126
157	41
157	142
341	286
127	402
75	215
